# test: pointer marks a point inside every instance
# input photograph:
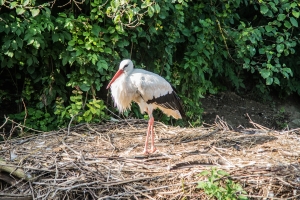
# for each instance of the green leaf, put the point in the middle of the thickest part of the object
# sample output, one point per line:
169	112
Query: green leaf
29	61
34	12
178	7
157	8
2	2
102	64
96	30
295	13
281	17
36	44
18	32
88	46
280	48
201	184
273	6
84	87
55	37
269	81
71	43
276	81
241	197
287	24
204	173
222	172
294	21
31	69
117	19
265	73
86	34
10	54
151	11
186	32
65	60
294	5
262	51
14	45
264	9
13	4
107	50
269	28
19	42
26	2
20	11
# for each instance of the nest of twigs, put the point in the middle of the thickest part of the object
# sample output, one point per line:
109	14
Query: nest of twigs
105	161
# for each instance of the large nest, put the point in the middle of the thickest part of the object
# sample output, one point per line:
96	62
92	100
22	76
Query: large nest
104	161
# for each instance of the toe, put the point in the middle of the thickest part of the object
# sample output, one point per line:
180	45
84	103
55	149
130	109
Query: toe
153	149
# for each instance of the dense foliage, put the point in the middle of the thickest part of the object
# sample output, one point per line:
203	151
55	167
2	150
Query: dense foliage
56	57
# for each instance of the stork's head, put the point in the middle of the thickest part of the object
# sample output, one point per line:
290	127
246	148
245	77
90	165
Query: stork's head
126	66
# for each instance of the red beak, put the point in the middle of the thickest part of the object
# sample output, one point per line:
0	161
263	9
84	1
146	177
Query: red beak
118	73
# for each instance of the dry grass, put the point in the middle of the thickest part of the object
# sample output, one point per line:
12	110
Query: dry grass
105	162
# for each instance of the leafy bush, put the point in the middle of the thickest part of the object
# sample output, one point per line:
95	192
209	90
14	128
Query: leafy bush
48	50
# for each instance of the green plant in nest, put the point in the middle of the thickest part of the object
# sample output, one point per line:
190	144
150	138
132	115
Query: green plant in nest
220	186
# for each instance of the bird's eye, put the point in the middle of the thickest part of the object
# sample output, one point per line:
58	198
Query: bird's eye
125	66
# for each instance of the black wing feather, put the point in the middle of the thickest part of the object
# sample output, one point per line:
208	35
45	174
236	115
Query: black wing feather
169	101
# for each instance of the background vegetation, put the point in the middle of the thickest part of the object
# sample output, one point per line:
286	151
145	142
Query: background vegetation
57	56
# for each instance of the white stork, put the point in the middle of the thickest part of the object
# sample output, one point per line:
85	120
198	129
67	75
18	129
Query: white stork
148	90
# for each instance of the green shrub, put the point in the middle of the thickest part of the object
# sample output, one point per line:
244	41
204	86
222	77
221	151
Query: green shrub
202	47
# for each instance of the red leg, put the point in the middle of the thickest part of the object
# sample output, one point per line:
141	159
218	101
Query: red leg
146	140
151	122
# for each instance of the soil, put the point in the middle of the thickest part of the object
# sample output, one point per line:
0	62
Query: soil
233	109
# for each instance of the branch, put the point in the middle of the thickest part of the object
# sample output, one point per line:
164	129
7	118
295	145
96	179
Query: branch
13	170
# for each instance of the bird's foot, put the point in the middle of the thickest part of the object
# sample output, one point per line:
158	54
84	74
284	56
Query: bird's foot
145	152
152	150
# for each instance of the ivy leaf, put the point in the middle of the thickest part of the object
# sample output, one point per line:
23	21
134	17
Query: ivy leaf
20	11
34	12
294	21
264	9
